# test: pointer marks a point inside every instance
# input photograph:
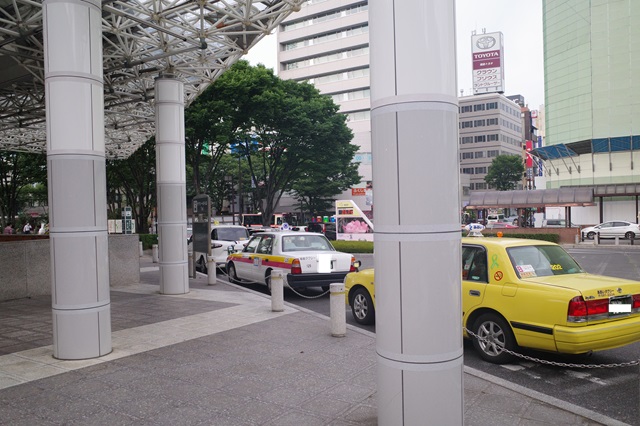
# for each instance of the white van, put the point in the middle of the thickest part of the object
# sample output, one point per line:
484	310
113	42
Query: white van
493	218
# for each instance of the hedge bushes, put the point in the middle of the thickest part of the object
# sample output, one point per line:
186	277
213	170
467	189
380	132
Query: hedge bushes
148	240
367	246
353	246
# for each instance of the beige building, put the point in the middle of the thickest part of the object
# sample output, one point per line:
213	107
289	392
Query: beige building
327	44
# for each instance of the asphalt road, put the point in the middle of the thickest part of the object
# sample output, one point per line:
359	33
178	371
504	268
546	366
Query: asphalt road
607	389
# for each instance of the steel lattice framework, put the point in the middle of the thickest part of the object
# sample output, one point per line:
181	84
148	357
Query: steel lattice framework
195	40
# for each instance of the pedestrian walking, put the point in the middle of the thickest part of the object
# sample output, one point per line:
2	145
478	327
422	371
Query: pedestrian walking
27	228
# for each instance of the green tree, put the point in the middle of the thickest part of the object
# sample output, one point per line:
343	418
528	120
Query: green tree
282	129
23	181
505	172
132	182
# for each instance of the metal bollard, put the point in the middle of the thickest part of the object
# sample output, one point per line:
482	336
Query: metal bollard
192	270
577	239
154	253
337	310
211	271
140	247
617	241
277	291
597	238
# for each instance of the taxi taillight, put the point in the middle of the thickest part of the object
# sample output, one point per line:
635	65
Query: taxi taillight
635	307
353	268
295	267
591	310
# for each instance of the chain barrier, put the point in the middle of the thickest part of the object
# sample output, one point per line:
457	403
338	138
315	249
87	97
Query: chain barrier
304	296
555	363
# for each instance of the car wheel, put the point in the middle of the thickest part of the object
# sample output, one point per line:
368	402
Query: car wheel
629	235
590	235
233	276
497	336
267	281
203	264
362	307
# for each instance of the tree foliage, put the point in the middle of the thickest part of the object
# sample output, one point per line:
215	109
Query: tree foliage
505	172
132	182
23	180
287	132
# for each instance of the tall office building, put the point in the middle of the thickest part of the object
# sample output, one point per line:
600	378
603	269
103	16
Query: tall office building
490	125
327	44
592	99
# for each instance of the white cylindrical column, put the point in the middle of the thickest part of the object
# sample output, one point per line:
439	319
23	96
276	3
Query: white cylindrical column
76	179
211	270
140	249
154	253
171	186
277	291
414	123
337	310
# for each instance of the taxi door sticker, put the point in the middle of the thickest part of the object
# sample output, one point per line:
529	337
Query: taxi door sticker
257	261
526	271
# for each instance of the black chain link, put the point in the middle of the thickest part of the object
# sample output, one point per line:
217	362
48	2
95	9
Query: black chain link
554	363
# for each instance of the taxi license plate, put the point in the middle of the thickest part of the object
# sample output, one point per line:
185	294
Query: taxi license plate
620	305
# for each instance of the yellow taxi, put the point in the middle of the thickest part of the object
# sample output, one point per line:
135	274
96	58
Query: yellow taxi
528	293
306	259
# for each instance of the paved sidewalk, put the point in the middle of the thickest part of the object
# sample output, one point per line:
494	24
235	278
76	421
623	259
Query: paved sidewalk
219	356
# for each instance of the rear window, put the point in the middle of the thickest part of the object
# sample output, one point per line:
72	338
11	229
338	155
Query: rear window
230	234
540	261
306	243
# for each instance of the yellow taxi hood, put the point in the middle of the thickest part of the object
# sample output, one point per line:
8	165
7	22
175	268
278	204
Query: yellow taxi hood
590	285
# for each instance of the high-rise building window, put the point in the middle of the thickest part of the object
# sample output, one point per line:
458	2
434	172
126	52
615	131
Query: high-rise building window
478	123
480	138
478	107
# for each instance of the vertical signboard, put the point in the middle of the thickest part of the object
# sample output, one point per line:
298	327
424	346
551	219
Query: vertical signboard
488	63
351	222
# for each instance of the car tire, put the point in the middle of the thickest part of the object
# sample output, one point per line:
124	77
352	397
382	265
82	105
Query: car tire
203	265
590	235
267	280
629	235
362	307
499	336
231	271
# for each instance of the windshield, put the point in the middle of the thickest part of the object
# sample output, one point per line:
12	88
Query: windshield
230	234
540	261
306	243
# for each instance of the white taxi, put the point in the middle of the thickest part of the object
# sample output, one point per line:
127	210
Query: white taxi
306	259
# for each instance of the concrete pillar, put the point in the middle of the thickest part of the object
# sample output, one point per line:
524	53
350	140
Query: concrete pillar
76	170
171	186
414	123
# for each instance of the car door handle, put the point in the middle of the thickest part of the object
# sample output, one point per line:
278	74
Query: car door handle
474	293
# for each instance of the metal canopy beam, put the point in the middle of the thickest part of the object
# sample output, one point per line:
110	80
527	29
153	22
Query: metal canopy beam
194	40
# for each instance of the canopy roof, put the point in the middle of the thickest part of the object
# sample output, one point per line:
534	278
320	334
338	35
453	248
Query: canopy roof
595	146
561	197
194	40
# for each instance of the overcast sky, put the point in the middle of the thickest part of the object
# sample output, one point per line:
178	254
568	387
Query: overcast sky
521	25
